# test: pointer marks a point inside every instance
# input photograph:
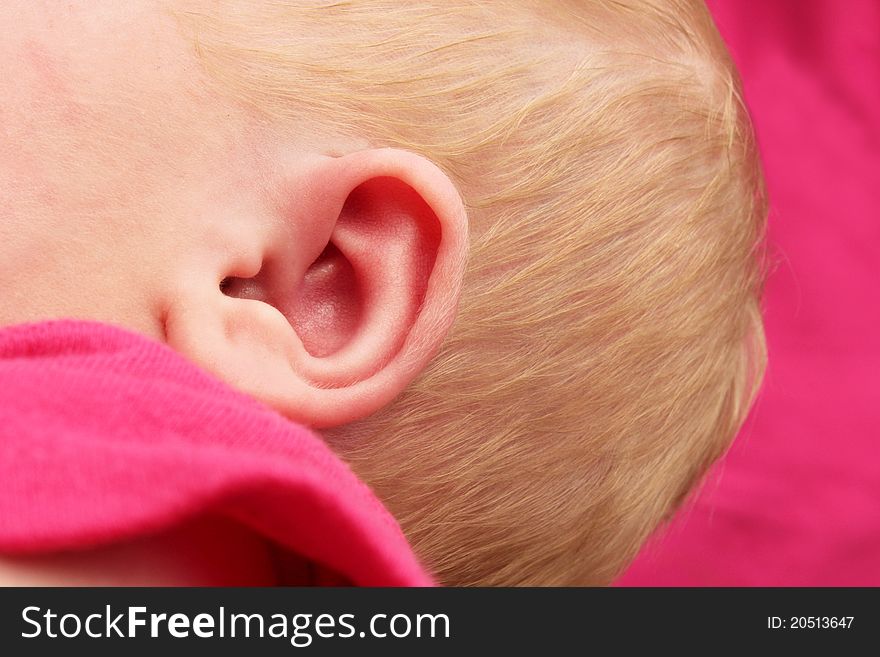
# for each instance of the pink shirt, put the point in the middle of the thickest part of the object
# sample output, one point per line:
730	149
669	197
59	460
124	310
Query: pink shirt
106	435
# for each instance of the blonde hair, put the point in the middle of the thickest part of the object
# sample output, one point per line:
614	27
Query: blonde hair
609	340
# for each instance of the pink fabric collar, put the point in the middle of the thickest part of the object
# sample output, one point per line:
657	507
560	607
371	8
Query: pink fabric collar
106	435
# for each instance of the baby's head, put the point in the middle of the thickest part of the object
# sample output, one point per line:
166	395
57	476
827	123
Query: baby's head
296	195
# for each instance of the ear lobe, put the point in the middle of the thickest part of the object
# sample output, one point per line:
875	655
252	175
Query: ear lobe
358	286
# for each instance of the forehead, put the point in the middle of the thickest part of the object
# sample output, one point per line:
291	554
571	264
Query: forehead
72	62
103	100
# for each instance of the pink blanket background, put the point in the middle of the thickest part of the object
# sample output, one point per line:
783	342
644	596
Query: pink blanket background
797	499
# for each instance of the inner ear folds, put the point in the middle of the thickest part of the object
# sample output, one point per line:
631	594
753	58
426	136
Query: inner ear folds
361	296
357	285
329	306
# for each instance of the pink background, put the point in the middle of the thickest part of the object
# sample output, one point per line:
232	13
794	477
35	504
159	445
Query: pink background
797	499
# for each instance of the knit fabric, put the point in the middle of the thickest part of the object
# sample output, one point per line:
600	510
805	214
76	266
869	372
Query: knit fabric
106	435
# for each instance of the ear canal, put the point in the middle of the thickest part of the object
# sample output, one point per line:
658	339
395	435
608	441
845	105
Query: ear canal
326	309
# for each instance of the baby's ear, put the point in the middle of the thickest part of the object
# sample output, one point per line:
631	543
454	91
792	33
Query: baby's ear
346	294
